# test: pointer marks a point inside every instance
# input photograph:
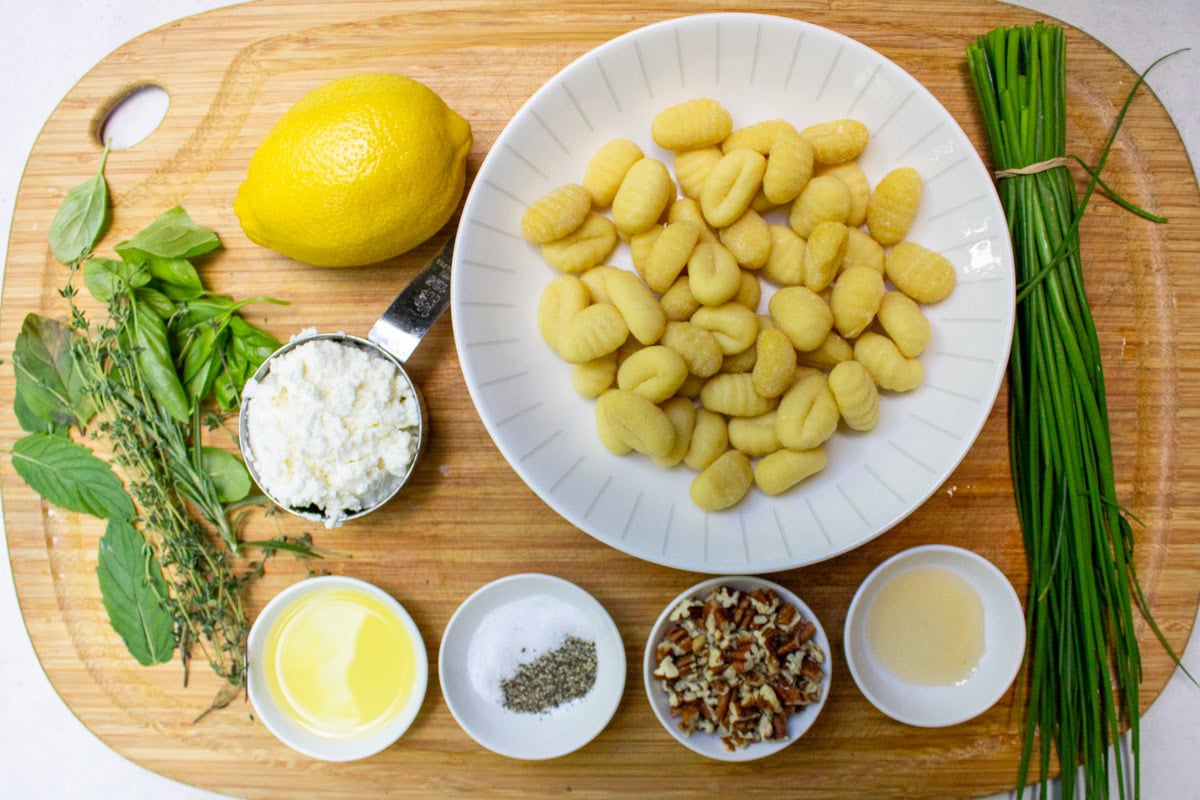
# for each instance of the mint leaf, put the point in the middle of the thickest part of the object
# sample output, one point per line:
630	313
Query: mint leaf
133	590
69	476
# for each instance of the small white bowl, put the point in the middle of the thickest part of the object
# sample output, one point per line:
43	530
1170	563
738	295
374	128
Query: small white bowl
289	731
710	744
511	621
1003	642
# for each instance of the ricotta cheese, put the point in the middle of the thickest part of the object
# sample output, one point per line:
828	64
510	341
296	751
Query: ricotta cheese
332	428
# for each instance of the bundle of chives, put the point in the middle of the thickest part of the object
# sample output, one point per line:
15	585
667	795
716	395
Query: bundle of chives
1082	663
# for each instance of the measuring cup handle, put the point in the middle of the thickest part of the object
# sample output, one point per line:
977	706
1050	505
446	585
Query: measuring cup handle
413	312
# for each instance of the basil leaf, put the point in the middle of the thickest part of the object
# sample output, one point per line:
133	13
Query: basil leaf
227	388
175	272
32	423
157	365
48	379
203	309
81	219
172	235
253	345
133	589
180	294
229	474
105	278
201	358
69	476
156	301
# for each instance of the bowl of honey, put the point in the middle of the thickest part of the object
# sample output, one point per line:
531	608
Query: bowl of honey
935	636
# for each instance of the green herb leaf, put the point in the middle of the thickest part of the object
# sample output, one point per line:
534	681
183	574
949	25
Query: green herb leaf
175	272
156	363
32	423
48	380
172	235
105	278
133	590
201	359
81	219
230	475
69	476
156	301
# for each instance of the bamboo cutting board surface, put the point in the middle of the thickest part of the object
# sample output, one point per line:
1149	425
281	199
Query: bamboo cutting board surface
466	518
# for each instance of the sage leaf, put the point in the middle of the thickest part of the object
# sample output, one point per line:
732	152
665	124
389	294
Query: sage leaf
172	235
133	590
82	218
229	474
157	365
69	476
48	379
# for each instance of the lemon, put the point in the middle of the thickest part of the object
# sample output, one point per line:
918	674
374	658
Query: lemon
360	170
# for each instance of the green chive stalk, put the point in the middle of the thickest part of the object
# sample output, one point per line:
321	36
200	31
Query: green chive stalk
1083	666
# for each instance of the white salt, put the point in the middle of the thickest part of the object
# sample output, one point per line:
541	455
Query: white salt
516	633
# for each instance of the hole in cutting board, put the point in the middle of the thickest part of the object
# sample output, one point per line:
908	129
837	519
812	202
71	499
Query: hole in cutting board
134	116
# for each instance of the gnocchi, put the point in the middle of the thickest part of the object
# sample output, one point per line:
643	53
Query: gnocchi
585	247
890	368
779	471
837	141
655	373
723	483
563	298
919	272
856	297
696	123
635	422
607	169
748	239
730	186
854	392
904	322
680	365
893	205
556	213
644	194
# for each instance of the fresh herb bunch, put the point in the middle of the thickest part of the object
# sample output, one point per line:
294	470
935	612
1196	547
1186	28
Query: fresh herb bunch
144	382
1083	663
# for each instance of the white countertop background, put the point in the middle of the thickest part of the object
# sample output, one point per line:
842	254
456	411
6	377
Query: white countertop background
47	45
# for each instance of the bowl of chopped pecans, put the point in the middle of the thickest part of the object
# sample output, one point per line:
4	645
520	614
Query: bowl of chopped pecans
737	668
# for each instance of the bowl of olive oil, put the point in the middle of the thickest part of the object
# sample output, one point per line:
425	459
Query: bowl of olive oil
337	668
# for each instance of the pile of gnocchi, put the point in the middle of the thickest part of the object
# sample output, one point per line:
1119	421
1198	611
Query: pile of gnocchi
682	365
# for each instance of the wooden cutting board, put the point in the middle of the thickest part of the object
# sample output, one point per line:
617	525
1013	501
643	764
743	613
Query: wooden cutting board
467	519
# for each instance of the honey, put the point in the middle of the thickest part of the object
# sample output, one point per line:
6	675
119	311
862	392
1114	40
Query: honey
925	626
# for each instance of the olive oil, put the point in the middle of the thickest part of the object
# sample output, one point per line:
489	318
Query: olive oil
339	663
925	626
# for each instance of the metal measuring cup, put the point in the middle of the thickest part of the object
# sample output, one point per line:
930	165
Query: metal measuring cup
393	337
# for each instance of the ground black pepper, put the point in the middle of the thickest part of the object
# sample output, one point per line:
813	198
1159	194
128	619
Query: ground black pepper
553	678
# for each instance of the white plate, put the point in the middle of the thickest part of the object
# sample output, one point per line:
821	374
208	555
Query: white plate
708	744
511	621
1003	642
759	67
